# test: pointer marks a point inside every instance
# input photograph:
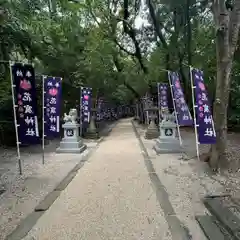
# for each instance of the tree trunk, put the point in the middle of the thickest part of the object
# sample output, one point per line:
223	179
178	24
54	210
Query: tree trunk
219	150
227	29
189	33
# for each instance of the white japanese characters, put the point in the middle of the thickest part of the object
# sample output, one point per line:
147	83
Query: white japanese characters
19	73
53	100
163	95
206	131
184	108
53	110
85	105
209	132
26	112
27	97
53	118
204	97
208	119
184	116
29	120
28	109
28	74
53	128
206	108
30	132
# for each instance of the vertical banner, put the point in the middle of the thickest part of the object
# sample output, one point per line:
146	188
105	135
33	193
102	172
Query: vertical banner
181	108
163	95
205	125
52	106
86	97
23	79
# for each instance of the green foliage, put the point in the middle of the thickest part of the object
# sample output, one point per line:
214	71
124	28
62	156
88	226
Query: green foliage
97	44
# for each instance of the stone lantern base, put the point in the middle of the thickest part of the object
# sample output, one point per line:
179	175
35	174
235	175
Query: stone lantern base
167	146
71	143
167	141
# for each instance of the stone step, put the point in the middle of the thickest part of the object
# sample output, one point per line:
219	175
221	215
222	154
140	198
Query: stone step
71	150
168	145
224	215
168	139
167	149
69	145
171	142
210	228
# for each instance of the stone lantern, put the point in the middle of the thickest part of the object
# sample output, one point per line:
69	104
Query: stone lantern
92	131
152	130
168	141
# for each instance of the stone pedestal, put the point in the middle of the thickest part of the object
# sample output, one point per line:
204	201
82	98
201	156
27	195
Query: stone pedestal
71	143
92	131
152	130
167	141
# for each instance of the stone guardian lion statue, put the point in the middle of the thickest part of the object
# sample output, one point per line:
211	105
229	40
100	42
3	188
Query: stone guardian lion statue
71	117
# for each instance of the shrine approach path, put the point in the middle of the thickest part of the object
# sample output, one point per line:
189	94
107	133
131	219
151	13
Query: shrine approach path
111	197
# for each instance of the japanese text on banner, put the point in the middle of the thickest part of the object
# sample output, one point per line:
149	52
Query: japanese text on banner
86	94
183	113
206	130
163	95
25	98
52	103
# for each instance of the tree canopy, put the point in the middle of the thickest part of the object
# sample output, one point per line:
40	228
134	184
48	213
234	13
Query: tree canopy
120	48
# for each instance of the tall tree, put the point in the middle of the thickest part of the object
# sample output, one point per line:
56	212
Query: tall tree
227	23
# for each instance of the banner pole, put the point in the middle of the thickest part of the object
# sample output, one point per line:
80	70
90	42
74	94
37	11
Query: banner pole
174	107
43	120
15	119
194	112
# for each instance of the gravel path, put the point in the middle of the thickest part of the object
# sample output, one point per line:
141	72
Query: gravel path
111	197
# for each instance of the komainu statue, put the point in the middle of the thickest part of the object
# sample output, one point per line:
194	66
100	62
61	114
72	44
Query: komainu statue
71	117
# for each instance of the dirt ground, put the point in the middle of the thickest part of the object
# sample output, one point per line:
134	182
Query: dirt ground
19	194
230	178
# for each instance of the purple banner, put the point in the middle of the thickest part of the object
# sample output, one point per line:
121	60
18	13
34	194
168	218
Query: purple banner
52	104
181	107
86	96
163	95
26	103
205	124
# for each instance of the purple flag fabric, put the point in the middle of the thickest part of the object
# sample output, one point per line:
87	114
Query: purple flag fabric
163	95
205	124
183	114
26	102
52	104
86	96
